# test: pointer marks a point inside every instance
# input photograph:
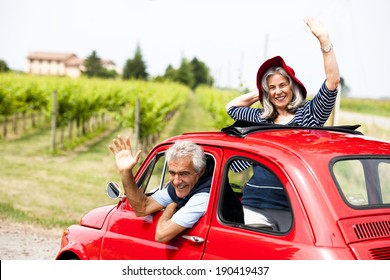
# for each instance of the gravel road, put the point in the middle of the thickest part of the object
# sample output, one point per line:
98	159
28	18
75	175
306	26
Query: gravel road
26	242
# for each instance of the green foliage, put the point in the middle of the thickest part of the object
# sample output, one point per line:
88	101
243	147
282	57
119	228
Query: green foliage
171	73
158	102
20	93
135	68
93	65
108	74
214	101
201	73
185	75
379	107
3	66
6	99
191	74
81	99
8	211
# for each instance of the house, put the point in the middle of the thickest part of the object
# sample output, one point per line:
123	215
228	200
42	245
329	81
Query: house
60	64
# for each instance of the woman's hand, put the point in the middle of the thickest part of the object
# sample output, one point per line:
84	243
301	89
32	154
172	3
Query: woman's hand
318	29
330	64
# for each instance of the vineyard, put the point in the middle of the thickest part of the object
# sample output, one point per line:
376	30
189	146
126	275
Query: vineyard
78	109
214	102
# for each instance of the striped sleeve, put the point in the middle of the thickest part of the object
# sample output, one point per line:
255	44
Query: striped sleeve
240	165
245	113
316	111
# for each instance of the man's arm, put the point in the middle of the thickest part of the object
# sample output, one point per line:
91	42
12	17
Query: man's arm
166	229
142	205
125	161
172	223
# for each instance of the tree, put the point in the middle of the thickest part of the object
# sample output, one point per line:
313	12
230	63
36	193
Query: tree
191	74
135	68
170	73
3	66
184	74
108	74
93	65
201	73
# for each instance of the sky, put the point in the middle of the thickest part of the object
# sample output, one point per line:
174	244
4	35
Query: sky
233	37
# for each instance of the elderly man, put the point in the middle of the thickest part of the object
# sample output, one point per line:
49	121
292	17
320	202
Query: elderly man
185	199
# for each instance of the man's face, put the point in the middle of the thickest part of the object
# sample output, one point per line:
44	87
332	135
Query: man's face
182	175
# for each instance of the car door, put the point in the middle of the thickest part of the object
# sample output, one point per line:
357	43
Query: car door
132	237
234	239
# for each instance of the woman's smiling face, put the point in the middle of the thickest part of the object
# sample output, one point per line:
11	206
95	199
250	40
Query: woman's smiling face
280	91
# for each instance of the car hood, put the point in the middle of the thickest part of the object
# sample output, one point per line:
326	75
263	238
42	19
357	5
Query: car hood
96	217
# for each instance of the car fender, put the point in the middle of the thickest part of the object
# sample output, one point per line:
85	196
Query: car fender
96	217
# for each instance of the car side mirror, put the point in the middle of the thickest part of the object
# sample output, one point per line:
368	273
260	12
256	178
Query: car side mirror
113	190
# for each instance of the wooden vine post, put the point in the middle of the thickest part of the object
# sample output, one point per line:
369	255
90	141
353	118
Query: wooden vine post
54	122
137	124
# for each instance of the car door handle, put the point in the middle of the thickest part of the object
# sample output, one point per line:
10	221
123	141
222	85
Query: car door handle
195	239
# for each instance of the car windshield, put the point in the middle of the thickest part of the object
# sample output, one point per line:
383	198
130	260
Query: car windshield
363	182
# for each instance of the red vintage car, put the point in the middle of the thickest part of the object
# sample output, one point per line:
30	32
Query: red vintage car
336	180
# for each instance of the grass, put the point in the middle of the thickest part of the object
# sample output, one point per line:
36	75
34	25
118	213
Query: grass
192	118
38	188
379	107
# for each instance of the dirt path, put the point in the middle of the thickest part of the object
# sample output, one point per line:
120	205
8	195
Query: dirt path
366	119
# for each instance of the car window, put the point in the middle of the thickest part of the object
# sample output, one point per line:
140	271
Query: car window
363	182
384	180
254	197
155	176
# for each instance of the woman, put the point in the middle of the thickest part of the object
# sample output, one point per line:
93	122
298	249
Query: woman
283	99
283	95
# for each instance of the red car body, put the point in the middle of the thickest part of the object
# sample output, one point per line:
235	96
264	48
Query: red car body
326	223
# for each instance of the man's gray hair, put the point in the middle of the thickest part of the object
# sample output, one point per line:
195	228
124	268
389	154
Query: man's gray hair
184	148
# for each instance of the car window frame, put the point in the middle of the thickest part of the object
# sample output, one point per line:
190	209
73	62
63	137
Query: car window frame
270	166
145	175
340	191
